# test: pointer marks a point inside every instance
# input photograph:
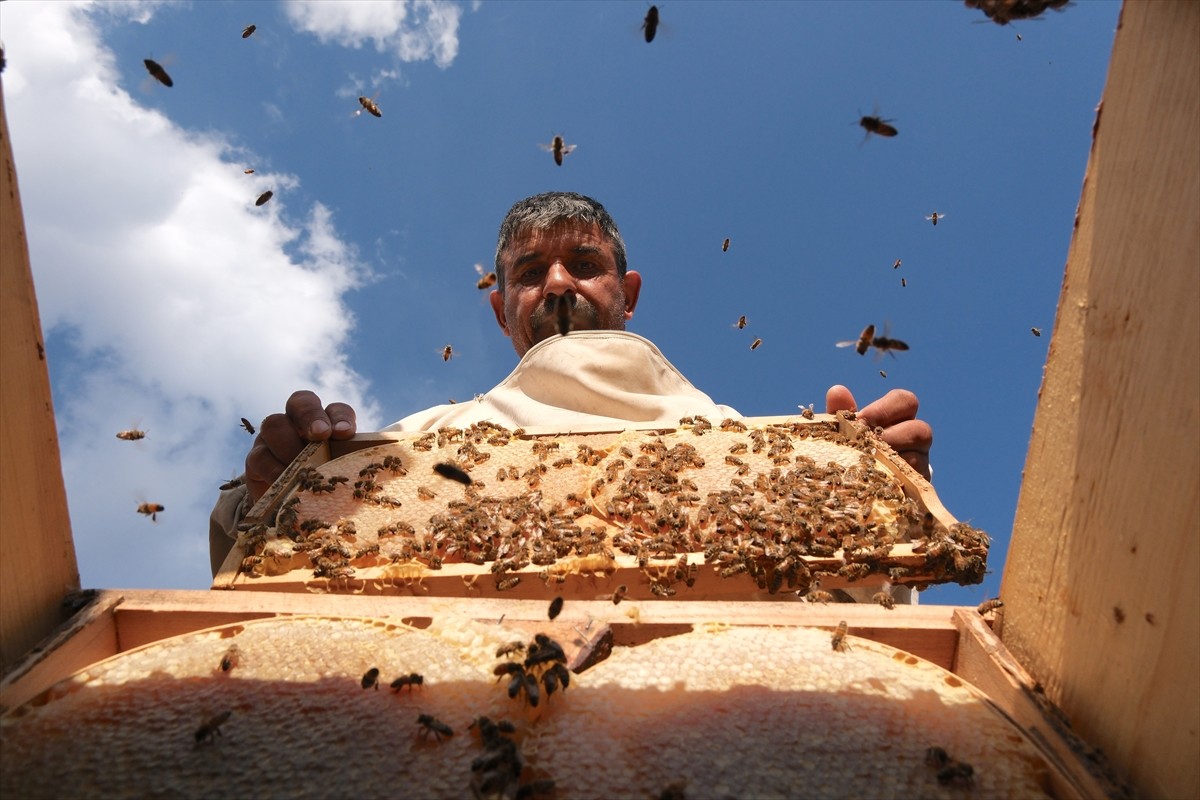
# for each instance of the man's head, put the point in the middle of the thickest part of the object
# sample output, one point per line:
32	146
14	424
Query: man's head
560	245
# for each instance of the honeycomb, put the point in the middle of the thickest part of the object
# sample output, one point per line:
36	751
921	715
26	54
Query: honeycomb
718	712
784	506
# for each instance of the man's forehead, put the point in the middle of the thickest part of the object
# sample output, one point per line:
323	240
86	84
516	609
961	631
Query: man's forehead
567	233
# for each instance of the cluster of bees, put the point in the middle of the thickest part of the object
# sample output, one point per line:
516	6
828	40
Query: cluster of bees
782	520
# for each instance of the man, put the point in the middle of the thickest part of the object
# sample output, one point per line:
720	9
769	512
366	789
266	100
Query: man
560	266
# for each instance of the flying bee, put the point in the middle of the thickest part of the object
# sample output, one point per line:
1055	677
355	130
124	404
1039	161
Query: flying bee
903	283
839	638
131	435
371	678
160	74
368	105
650	27
231	658
896	265
210	730
877	125
248	171
248	31
150	510
863	342
882	374
934	217
432	724
725	246
451	472
264	197
1034	331
755	344
447	353
248	426
559	148
886	344
556	606
232	483
741	322
990	605
486	279
619	594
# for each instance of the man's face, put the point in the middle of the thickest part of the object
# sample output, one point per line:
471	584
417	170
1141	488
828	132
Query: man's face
571	260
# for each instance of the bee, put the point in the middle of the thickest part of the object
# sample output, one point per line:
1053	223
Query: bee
934	217
807	411
559	148
896	265
649	28
210	730
619	594
884	599
248	426
510	648
507	583
410	680
877	125
264	197
1034	331
131	435
232	483
957	773
248	171
556	606
486	279
447	353
818	596
725	246
371	678
160	74
839	638
863	342
248	31
936	757
741	322
231	658
755	344
451	472
150	510
368	105
903	283
882	374
432	724
990	605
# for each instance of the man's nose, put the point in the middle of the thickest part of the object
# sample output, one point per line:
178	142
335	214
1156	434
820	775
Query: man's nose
559	280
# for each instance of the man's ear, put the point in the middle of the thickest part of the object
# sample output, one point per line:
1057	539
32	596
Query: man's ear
633	287
497	301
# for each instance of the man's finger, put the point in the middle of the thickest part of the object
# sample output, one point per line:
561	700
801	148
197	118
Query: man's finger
839	398
343	419
895	407
308	417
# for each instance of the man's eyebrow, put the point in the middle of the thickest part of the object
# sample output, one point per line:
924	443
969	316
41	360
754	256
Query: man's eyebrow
581	250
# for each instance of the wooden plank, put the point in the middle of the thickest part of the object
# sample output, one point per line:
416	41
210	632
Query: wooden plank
38	568
1102	599
924	631
1080	771
90	636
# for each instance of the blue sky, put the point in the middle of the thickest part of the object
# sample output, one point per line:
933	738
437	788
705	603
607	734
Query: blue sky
171	302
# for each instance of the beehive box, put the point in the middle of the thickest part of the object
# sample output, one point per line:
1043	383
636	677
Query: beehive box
700	510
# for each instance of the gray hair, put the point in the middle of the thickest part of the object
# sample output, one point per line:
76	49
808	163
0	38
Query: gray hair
543	211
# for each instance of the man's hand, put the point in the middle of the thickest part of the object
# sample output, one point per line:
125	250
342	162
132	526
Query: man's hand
896	413
281	437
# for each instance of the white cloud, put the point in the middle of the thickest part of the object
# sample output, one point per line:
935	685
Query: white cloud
168	297
413	31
